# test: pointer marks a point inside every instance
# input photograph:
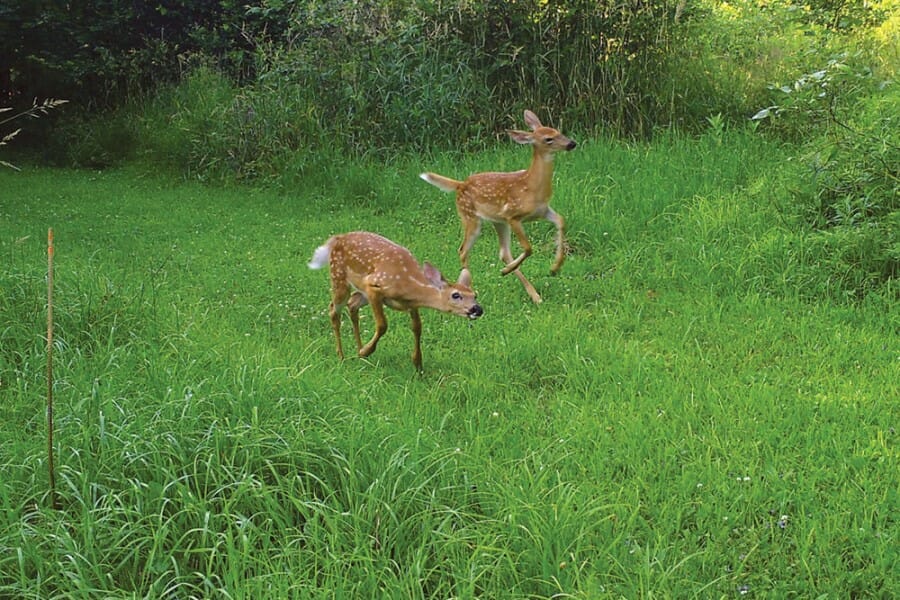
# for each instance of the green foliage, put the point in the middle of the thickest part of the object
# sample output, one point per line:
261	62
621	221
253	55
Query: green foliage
592	62
849	190
383	77
856	166
422	71
363	91
100	53
381	80
378	79
198	124
725	56
93	142
845	15
816	100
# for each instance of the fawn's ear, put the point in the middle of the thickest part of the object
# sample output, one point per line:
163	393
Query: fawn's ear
434	276
465	278
522	137
532	120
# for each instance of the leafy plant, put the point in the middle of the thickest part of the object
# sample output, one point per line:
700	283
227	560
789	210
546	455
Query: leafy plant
855	159
853	166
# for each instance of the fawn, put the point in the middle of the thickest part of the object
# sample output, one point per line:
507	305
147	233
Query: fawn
509	199
385	273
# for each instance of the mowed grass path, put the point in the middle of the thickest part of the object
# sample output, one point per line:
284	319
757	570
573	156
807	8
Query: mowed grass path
684	415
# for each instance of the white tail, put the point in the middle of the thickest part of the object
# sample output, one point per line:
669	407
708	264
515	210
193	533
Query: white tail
320	256
442	183
509	199
384	273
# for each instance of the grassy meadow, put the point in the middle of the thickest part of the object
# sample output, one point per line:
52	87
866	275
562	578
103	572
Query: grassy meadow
696	410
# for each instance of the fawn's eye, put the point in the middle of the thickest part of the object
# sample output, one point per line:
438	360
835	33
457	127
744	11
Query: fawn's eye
548	140
456	296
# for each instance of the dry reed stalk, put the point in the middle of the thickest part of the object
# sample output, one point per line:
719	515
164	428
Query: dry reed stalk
50	466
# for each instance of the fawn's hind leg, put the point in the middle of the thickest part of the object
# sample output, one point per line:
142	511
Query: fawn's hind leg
506	256
357	301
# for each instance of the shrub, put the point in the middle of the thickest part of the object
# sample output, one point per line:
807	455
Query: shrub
849	195
854	159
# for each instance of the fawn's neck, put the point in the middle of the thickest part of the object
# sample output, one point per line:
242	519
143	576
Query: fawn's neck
418	294
540	173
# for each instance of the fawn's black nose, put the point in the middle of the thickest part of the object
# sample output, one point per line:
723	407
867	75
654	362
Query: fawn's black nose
475	312
571	146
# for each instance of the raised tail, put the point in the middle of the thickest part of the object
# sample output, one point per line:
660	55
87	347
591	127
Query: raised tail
439	181
321	255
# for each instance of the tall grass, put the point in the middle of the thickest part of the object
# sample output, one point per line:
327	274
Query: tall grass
692	412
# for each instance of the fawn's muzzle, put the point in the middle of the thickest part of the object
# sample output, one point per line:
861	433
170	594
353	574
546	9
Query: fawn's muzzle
475	312
571	145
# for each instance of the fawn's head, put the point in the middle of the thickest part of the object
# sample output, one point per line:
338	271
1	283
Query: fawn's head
545	140
457	298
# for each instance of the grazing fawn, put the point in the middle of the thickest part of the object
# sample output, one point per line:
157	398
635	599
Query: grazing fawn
385	273
509	199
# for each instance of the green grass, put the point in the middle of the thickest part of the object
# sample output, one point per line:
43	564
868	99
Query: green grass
687	415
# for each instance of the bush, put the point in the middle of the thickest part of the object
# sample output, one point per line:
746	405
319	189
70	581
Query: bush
374	79
190	126
843	115
853	156
847	264
856	167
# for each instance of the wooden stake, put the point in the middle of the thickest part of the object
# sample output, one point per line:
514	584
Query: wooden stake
50	466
